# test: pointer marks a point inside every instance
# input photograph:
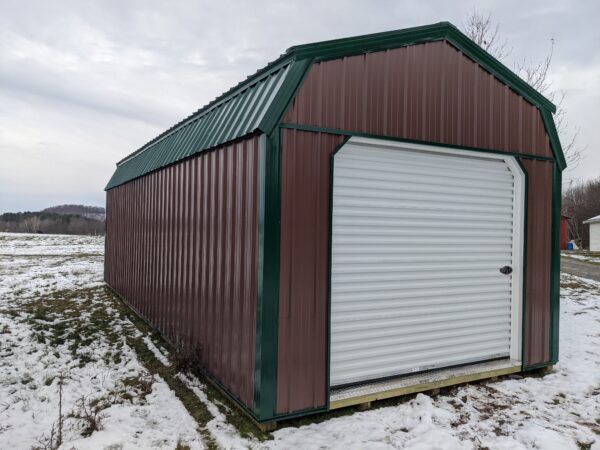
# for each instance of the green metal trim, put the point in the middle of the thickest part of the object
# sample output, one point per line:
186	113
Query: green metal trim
416	35
329	258
554	139
536	366
235	115
285	95
267	312
524	273
223	98
297	414
229	395
317	129
105	235
555	263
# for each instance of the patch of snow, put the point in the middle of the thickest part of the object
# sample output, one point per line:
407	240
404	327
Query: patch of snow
417	424
582	257
224	433
34	265
154	424
157	353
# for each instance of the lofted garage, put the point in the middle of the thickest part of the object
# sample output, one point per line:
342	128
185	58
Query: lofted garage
363	218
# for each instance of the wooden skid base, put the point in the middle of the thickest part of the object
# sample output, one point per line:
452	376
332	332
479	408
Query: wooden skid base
265	427
419	383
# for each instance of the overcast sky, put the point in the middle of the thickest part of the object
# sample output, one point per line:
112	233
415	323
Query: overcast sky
83	84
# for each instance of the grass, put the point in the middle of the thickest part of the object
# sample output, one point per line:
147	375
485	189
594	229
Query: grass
578	284
584	253
72	321
189	399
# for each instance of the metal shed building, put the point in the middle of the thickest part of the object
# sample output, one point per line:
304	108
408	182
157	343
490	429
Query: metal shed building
362	218
594	224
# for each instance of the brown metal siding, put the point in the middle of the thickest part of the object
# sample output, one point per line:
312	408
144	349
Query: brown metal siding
302	354
182	250
428	92
539	246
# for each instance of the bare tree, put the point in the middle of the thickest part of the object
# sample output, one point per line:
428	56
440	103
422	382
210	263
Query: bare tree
32	224
484	32
581	201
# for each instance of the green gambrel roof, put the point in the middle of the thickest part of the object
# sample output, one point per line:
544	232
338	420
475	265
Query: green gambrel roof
258	103
238	113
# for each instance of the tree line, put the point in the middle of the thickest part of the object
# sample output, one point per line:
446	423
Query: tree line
581	201
51	223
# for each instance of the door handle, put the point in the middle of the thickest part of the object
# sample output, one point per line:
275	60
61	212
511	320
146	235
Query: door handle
506	270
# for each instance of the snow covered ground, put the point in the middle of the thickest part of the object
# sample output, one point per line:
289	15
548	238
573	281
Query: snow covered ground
56	328
593	257
121	389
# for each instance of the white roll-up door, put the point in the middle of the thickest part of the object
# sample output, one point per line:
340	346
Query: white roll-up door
419	235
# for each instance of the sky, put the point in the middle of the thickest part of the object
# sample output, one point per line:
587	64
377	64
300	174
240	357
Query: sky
83	84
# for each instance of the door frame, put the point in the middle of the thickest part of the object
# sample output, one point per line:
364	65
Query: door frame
519	221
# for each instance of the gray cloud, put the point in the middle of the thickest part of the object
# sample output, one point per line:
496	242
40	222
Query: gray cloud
84	83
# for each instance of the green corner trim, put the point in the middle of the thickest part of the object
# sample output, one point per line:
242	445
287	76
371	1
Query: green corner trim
554	139
536	366
555	263
267	312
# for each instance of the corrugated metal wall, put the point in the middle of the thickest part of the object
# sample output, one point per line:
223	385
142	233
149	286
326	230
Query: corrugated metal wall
182	250
537	280
429	92
305	199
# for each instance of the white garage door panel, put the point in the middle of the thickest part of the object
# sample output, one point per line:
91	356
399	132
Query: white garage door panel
418	238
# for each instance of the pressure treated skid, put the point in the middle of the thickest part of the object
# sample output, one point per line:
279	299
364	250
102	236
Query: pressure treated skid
219	230
420	383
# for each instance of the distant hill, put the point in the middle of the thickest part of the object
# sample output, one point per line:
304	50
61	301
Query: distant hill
91	212
63	219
